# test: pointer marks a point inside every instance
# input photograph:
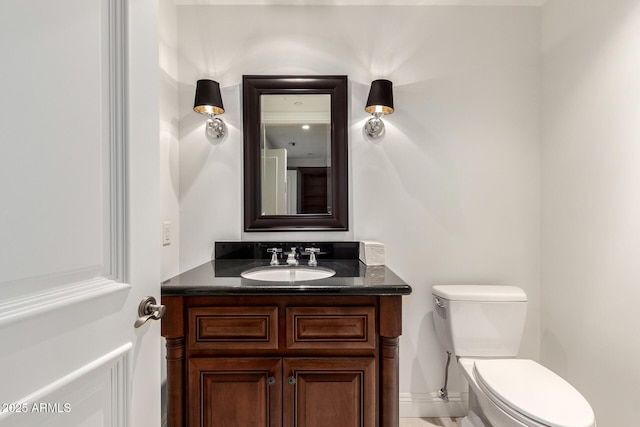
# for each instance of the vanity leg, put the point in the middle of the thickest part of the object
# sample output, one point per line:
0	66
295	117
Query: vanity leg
389	373
390	330
175	382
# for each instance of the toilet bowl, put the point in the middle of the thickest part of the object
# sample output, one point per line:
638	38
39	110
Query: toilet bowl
482	327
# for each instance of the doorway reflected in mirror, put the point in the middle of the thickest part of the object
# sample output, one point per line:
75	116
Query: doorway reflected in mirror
295	154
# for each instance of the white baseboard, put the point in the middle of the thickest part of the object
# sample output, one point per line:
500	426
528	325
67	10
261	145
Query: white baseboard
426	405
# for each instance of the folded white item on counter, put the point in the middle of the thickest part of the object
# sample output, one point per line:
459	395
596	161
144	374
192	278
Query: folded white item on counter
372	253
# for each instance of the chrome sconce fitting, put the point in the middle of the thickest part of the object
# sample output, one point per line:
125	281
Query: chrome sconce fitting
379	102
209	101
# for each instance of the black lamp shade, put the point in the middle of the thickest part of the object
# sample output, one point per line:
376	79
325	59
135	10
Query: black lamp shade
208	98
380	97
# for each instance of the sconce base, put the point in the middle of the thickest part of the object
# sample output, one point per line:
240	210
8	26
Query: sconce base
215	128
374	128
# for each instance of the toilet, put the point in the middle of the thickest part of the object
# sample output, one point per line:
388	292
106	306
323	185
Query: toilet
482	326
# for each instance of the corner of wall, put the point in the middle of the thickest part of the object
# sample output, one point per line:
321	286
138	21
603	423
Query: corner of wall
169	132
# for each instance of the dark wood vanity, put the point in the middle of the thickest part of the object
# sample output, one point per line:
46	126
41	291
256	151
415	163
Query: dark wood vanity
282	361
244	353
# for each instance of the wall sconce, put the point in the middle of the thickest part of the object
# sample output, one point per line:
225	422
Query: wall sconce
209	101
380	102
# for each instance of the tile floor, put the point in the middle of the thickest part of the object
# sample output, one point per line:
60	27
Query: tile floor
429	422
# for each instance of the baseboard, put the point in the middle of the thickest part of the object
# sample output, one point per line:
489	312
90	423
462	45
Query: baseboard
426	405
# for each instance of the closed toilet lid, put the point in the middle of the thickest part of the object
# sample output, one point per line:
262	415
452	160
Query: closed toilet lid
534	391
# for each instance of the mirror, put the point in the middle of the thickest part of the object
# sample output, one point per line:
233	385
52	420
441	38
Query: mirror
295	153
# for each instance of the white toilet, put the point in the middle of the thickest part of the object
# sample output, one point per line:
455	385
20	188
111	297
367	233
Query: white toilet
482	327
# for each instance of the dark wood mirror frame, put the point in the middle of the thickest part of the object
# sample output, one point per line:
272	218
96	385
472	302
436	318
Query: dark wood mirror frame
255	86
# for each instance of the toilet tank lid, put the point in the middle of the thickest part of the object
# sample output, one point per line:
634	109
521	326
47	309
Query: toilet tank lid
480	293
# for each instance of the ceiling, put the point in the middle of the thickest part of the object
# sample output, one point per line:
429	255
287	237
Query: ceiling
311	143
529	3
299	123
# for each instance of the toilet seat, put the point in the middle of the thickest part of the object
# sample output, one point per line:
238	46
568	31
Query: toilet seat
533	394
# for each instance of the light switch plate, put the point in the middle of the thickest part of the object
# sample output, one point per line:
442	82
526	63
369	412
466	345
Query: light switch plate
166	233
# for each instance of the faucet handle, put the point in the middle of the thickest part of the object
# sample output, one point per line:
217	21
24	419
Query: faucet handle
312	257
274	256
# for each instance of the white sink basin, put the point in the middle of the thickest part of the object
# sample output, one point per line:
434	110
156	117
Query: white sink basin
287	274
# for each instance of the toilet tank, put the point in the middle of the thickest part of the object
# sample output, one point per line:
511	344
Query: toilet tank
479	320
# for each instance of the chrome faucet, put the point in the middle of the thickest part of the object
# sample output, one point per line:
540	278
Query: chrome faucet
312	257
274	255
291	258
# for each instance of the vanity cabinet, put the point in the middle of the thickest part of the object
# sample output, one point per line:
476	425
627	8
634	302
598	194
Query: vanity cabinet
282	361
270	392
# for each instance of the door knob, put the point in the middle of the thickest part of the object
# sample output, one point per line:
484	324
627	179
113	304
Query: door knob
149	309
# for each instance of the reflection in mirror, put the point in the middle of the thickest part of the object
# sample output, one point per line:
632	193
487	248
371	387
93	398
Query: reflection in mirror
295	154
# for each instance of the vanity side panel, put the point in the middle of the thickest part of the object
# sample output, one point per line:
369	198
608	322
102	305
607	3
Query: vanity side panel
172	328
390	330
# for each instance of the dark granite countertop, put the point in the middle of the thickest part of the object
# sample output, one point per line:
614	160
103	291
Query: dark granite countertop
222	277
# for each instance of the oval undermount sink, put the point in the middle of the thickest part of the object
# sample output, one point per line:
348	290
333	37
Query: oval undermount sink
287	274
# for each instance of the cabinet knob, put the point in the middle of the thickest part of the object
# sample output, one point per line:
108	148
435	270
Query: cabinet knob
271	380
291	380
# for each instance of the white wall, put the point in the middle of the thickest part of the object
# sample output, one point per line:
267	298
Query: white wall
169	143
452	190
169	156
591	202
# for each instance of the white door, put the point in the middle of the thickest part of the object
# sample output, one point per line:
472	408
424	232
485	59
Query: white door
274	181
79	226
292	192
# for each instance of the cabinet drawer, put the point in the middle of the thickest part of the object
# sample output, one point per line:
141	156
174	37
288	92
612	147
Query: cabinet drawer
223	328
331	327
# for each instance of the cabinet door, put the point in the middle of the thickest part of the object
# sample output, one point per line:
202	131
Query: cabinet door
235	392
336	392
